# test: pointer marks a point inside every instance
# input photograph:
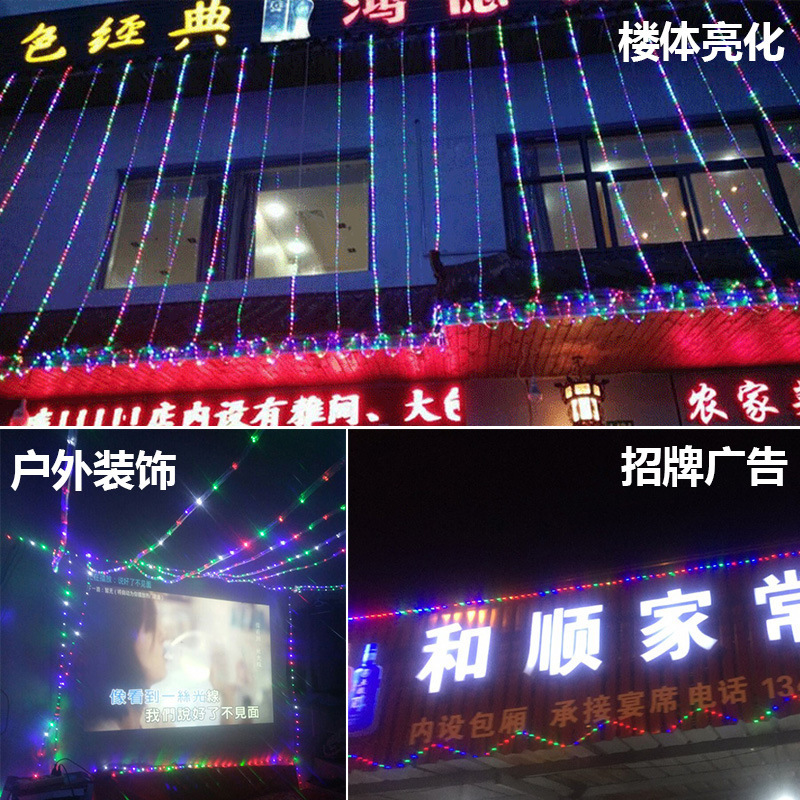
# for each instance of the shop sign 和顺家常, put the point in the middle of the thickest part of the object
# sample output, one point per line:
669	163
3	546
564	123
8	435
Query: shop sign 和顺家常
712	643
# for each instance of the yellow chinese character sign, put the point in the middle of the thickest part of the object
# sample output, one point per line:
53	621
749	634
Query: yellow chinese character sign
43	45
127	34
203	19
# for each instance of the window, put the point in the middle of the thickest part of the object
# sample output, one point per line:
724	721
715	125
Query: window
661	187
279	223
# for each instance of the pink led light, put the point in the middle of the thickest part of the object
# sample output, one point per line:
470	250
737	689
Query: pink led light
7	85
373	227
20	112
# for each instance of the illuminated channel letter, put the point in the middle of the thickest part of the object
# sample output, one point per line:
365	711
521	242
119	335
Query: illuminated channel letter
784	604
563	640
464	662
673	631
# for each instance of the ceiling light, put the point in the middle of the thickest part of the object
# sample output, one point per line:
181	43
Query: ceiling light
275	210
296	247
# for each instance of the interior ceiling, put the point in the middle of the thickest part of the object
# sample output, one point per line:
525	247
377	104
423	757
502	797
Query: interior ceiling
748	761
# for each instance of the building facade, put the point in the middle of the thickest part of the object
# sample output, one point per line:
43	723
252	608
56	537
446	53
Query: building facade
421	212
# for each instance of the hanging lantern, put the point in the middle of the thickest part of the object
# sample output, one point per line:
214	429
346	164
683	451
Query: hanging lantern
583	396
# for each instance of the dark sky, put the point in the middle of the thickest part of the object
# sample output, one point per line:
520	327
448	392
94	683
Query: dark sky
451	515
119	523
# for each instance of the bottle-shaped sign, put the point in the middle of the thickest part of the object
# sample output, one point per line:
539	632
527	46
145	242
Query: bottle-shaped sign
362	709
286	19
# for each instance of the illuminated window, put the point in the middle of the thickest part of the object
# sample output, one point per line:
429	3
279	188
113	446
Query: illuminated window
652	189
288	220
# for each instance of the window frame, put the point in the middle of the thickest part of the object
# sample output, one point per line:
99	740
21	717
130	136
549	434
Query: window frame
597	183
236	229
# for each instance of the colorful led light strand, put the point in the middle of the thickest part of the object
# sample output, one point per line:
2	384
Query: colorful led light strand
756	101
296	503
79	215
709	565
599	727
259	185
560	160
373	221
404	146
475	165
101	259
701	158
735	142
215	247
59	552
53	189
437	189
68	635
337	212
20	112
7	85
526	215
173	250
612	181
198	502
787	19
293	677
151	208
643	142
32	147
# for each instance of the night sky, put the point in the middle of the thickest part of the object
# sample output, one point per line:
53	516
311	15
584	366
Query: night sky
117	524
453	515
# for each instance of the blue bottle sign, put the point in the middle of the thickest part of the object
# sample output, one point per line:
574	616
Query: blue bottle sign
286	19
362	705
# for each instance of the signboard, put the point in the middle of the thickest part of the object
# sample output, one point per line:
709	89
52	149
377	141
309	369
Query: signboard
370	404
715	642
152	27
752	397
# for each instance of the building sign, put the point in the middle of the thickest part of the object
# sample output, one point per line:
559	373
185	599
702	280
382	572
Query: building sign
755	397
713	642
153	27
372	404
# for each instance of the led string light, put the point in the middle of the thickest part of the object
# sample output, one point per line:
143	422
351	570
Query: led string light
599	727
173	250
283	562
20	112
735	142
710	565
756	101
101	259
560	160
151	208
475	168
526	215
373	221
437	190
642	141
337	212
282	542
217	763
612	181
32	147
79	215
340	552
53	189
190	509
260	183
293	678
215	247
787	19
404	140
68	635
775	64
7	85
301	499
701	158
60	551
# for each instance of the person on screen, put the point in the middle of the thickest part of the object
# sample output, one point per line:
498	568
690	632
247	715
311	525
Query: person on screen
124	655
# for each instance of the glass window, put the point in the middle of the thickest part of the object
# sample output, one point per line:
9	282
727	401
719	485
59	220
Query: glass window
789	133
752	211
169	253
791	180
295	220
570	217
657	215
